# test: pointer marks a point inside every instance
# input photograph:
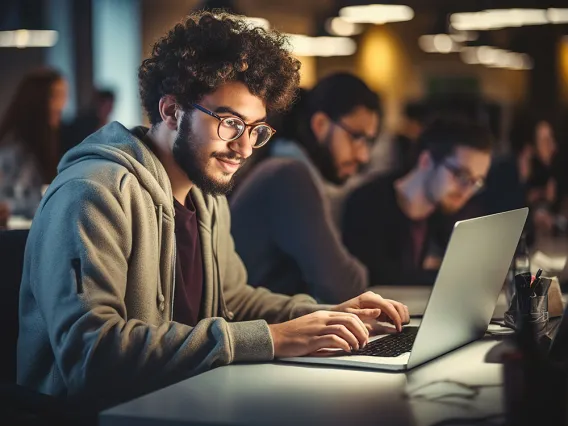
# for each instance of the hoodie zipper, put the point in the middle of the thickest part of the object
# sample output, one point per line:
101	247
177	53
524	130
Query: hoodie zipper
173	280
161	298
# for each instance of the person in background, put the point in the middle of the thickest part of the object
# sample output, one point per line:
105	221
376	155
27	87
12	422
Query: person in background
388	222
29	140
506	185
543	194
406	142
282	219
131	281
90	121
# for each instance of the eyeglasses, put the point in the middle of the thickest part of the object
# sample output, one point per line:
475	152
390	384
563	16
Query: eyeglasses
356	136
232	128
464	178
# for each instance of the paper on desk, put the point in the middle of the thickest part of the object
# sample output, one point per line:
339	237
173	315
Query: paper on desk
547	263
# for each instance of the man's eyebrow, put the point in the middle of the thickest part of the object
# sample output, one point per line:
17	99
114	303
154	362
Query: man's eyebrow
229	110
470	173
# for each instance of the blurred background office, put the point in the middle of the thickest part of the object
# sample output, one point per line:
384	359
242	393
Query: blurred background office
503	64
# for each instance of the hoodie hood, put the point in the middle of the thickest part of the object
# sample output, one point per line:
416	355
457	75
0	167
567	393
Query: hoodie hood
115	143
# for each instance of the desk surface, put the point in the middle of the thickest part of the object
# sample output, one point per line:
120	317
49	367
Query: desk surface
293	394
289	394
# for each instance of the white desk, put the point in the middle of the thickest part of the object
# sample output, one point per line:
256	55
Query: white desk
291	394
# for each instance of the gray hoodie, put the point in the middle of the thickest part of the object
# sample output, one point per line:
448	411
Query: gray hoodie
96	298
296	246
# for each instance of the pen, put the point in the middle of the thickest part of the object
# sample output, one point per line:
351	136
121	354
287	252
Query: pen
537	287
537	276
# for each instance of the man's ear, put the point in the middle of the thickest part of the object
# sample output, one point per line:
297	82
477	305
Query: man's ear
320	125
170	112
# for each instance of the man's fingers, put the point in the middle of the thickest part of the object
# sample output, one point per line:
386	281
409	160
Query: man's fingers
330	341
366	313
378	329
342	331
392	313
373	300
401	309
353	323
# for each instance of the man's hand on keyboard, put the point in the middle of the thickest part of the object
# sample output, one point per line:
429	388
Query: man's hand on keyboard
377	328
371	307
313	332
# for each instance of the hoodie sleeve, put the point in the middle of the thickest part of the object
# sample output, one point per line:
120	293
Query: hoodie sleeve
303	228
79	281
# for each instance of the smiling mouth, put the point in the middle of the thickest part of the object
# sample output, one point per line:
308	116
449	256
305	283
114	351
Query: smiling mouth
232	163
228	165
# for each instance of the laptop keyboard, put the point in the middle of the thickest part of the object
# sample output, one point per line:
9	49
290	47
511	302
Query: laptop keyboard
392	345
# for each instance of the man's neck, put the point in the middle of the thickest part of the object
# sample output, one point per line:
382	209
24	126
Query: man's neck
411	196
181	185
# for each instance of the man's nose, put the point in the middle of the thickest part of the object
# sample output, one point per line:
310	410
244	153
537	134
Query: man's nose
242	145
362	153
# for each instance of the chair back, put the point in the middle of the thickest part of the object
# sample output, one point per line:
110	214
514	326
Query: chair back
12	246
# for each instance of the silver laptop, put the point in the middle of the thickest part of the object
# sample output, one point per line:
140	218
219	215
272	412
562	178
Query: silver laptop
461	303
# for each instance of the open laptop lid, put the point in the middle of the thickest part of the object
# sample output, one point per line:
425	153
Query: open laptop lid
468	284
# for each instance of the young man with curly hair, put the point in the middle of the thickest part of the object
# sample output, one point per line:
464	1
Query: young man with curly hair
131	281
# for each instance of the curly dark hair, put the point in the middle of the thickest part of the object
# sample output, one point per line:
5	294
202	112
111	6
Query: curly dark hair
209	49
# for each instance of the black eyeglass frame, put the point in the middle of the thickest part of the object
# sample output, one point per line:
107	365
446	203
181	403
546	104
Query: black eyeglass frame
465	181
356	137
234	117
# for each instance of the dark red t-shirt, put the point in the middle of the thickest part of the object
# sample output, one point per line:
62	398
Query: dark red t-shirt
189	265
419	232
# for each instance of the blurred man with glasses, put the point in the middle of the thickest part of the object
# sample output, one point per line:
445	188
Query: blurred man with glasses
393	223
283	213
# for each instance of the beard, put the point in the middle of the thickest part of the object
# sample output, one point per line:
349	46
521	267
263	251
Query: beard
441	201
194	162
323	159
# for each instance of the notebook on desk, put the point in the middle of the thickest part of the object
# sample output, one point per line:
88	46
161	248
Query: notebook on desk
461	303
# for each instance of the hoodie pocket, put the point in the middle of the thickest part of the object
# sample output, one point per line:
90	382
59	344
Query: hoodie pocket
76	265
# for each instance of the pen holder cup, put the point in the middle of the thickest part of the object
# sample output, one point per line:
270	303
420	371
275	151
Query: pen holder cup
529	307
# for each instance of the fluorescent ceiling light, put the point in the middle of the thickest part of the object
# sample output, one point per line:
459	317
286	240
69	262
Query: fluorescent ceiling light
376	13
340	27
557	16
490	56
438	43
258	22
496	58
303	45
28	38
492	19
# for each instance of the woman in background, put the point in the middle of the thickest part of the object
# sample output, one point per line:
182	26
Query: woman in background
544	196
29	140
